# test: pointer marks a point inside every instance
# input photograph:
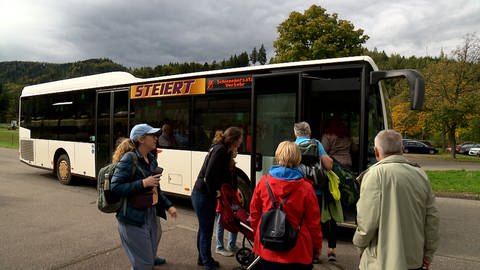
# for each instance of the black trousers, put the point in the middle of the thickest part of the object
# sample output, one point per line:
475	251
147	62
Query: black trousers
329	228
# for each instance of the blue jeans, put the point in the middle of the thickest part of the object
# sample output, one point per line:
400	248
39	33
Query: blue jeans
204	207
232	237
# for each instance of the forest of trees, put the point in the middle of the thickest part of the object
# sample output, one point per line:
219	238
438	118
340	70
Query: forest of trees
452	100
15	75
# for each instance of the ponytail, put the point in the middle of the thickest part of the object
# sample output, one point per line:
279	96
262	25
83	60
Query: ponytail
123	147
219	137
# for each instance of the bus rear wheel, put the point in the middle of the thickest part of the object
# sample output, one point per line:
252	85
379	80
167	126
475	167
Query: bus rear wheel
245	193
63	169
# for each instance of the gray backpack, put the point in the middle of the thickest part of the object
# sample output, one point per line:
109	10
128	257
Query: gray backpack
311	166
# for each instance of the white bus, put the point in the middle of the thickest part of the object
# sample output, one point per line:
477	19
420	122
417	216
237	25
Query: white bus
71	126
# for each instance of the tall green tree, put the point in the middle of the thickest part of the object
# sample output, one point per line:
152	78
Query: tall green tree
452	89
262	55
242	60
254	56
316	35
4	102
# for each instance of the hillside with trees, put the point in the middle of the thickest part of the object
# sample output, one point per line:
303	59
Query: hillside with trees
452	80
15	75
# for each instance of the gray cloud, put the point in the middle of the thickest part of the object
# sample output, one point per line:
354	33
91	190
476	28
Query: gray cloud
153	32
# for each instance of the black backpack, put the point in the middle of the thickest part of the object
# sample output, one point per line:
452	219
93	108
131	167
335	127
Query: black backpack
276	233
311	165
106	201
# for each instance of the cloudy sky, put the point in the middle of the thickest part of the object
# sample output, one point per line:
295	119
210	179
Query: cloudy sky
153	32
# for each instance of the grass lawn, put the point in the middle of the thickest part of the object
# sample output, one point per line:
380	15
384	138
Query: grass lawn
8	138
455	181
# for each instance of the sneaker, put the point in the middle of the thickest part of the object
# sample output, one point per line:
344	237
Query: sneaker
316	260
224	252
159	261
233	249
332	257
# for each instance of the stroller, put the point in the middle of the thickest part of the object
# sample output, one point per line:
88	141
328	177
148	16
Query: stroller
236	219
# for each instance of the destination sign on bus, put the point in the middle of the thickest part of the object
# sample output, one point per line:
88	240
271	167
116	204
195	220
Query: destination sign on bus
169	88
234	82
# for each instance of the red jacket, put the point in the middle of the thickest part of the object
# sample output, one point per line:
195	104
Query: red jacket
301	201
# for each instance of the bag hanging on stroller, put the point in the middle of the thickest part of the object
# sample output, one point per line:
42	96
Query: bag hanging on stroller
233	214
236	219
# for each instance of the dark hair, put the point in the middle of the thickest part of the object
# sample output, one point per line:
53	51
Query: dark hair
337	127
229	136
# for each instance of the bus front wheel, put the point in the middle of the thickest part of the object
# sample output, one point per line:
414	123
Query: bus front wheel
64	173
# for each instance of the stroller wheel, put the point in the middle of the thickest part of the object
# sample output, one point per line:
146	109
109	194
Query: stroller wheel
244	256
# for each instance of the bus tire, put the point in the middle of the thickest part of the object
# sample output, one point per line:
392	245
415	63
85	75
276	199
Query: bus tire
63	169
245	193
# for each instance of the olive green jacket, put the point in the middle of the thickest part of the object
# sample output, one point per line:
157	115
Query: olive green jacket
397	216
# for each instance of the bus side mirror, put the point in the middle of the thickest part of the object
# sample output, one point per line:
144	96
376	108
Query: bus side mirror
416	83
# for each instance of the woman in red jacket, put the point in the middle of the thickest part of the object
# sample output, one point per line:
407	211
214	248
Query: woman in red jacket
286	180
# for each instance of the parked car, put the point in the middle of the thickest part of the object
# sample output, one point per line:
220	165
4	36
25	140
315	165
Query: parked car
459	146
465	148
413	146
475	151
426	142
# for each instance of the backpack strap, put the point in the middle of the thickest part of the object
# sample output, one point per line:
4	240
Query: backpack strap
135	164
271	193
281	203
273	198
133	171
317	153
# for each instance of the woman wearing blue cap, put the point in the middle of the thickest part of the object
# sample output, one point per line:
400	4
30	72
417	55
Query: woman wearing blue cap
136	178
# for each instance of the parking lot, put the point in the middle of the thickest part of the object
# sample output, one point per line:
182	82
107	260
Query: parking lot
430	163
46	225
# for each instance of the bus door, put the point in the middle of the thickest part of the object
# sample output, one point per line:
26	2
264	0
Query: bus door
274	113
333	94
341	94
111	123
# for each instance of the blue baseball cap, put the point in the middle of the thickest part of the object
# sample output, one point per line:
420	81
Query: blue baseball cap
140	130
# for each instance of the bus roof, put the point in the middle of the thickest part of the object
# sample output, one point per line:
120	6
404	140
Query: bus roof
119	78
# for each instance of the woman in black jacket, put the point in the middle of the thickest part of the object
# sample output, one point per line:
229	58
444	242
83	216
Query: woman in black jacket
216	170
135	179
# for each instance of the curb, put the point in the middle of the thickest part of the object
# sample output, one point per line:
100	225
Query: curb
456	195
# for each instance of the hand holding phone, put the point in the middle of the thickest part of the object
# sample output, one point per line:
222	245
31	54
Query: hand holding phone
158	170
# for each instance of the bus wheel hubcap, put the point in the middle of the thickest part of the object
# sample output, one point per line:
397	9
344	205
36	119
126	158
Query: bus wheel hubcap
63	169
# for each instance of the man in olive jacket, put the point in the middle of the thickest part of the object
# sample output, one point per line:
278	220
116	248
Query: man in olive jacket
396	213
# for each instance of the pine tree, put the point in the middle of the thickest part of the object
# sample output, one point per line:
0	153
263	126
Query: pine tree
262	55
254	56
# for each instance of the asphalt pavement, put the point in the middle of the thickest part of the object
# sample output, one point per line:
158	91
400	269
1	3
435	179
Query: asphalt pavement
432	163
46	225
